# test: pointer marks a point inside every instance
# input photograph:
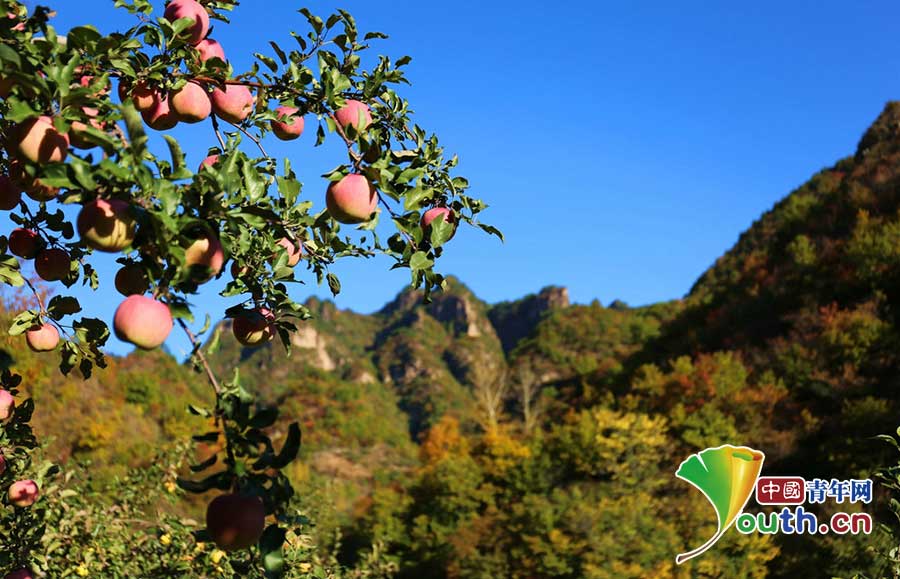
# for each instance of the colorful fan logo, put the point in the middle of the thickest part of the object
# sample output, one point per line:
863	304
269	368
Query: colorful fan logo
726	475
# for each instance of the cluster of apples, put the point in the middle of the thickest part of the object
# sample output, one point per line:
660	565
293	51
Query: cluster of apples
235	521
106	224
23	493
194	101
353	199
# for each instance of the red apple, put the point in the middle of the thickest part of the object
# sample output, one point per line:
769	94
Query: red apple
38	141
254	327
143	321
143	97
52	264
205	258
77	133
24	243
355	114
20	574
191	103
7	405
237	271
177	9
208	162
23	493
160	116
234	104
2	465
290	128
40	192
443	213
294	250
209	48
10	193
86	81
106	225
32	186
132	280
42	338
353	199
235	521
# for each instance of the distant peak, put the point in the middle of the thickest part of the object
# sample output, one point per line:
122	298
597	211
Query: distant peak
555	297
884	132
516	320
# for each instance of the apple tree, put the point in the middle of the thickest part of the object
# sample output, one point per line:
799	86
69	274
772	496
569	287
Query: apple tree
78	177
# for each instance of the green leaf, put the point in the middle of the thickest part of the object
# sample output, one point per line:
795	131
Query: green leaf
279	52
271	546
264	418
7	54
413	198
441	231
267	60
82	171
206	437
215	342
179	169
334	284
205	464
197	411
19	111
81	37
290	449
61	306
419	260
23	322
181	310
221	481
9	271
492	230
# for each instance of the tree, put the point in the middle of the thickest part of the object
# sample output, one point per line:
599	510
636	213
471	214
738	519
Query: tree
70	142
528	386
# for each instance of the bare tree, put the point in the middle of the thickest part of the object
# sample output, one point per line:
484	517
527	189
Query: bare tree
490	384
528	388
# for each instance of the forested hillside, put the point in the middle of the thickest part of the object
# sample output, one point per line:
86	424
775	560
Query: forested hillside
538	438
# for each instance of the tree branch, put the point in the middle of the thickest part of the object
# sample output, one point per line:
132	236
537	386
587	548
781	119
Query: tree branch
249	136
215	124
198	352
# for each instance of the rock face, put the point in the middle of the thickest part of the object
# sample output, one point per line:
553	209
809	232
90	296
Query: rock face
459	312
434	357
516	320
307	338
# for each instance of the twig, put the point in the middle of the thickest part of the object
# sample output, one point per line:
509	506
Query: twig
356	157
249	136
198	352
37	295
220	420
215	124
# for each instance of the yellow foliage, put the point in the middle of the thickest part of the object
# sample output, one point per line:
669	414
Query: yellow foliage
442	440
500	451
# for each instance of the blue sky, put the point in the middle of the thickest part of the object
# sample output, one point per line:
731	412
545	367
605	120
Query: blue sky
622	146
